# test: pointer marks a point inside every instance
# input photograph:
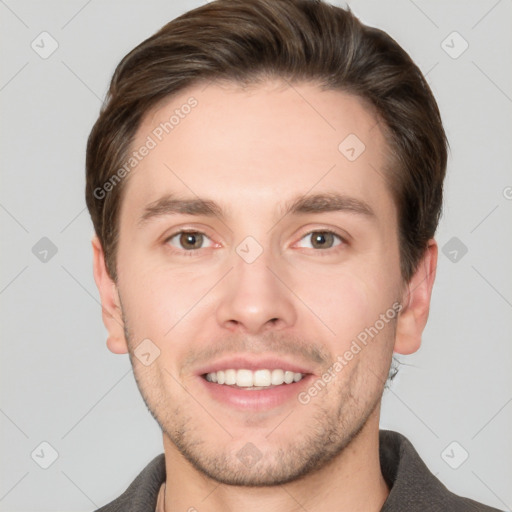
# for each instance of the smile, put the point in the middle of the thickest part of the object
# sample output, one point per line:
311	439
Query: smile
258	379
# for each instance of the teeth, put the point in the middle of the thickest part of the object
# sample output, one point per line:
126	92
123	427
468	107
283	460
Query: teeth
230	377
249	379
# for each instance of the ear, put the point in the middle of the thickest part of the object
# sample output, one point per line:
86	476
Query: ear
110	303
416	303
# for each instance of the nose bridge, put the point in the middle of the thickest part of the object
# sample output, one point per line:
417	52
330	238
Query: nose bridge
252	266
253	298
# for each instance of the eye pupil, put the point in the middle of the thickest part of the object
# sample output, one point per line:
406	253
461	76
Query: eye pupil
321	239
191	240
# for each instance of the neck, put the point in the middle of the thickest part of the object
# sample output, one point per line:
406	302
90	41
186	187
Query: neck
352	481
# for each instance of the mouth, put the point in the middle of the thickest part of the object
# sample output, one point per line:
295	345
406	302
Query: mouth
253	380
255	390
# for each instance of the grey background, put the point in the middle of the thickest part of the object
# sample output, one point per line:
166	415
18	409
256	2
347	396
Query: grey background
60	384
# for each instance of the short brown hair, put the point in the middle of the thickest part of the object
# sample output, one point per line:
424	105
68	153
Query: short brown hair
245	41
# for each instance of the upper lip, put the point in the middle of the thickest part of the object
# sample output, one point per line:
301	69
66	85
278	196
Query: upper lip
253	363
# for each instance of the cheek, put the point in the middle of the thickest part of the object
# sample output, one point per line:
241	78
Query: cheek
346	301
157	301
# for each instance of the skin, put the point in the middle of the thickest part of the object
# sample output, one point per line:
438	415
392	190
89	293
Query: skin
251	150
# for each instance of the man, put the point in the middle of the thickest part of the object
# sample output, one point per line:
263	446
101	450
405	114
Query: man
265	181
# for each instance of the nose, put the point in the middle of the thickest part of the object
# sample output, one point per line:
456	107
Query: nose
255	297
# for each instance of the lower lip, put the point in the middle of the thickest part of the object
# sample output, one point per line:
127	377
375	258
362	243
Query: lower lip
258	399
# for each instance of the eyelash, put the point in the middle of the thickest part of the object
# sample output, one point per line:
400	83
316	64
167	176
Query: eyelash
193	252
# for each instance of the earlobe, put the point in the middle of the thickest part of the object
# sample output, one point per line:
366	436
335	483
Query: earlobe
416	303
110	302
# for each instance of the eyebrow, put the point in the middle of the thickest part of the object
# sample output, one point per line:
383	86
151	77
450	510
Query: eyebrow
311	203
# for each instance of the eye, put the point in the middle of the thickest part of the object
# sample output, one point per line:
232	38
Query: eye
322	240
189	240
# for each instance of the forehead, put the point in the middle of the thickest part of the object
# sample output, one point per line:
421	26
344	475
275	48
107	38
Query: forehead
256	148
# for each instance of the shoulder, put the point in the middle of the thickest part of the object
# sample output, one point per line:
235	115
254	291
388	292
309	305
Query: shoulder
142	494
413	486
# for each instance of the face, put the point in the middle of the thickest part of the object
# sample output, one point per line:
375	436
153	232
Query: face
255	235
